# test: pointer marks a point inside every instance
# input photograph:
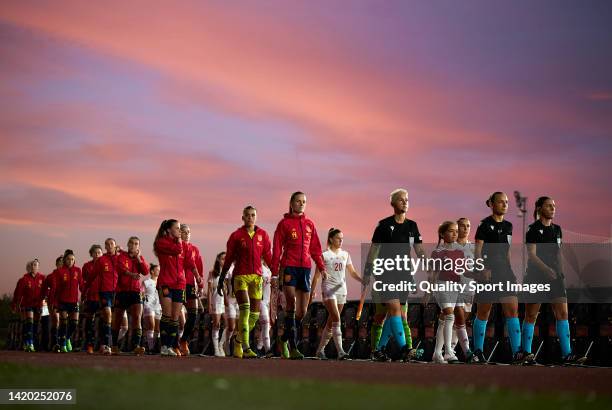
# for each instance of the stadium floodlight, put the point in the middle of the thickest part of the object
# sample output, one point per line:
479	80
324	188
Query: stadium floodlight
521	204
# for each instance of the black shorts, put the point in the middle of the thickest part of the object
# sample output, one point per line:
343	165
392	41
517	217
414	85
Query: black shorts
92	306
500	275
297	277
557	289
107	299
124	300
390	278
68	307
191	292
177	295
35	310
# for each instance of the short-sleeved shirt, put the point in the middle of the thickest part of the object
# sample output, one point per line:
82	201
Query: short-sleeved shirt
551	237
388	231
335	265
497	237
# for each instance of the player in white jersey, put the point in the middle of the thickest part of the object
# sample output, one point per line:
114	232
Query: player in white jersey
231	312
334	291
263	341
451	302
459	331
152	308
216	304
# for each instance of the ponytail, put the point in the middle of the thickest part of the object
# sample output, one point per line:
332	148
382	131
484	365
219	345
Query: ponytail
162	231
538	205
293	195
492	198
331	233
443	228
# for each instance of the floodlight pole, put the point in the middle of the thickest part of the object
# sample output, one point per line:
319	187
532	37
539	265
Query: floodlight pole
521	204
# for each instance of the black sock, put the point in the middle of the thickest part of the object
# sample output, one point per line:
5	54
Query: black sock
189	324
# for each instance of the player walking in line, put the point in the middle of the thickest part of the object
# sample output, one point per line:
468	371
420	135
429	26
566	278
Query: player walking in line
493	239
459	329
544	241
193	288
231	312
334	290
171	253
448	301
151	308
263	341
216	304
49	292
27	301
245	249
131	268
295	242
70	283
390	232
91	295
105	272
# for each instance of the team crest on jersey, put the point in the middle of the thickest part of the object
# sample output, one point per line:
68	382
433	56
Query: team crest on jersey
243	243
294	234
259	238
106	268
492	227
392	228
542	231
29	285
308	229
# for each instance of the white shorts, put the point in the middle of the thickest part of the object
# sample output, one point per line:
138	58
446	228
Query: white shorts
231	310
152	311
218	308
455	299
338	297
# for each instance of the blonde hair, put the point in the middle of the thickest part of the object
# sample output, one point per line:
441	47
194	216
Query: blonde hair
30	265
395	193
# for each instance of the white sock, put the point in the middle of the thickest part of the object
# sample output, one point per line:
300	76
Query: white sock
449	320
223	339
337	334
455	339
265	335
326	336
439	338
215	340
150	339
462	336
122	333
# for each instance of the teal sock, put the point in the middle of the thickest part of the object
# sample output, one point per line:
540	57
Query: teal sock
563	333
398	330
527	336
385	336
513	325
479	329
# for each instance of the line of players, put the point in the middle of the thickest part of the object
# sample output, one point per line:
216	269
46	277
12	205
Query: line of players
117	282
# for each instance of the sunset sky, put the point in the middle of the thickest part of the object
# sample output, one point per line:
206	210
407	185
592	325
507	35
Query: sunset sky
114	117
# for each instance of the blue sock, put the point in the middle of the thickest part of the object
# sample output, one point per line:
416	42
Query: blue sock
479	328
563	333
397	327
385	336
513	325
527	336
